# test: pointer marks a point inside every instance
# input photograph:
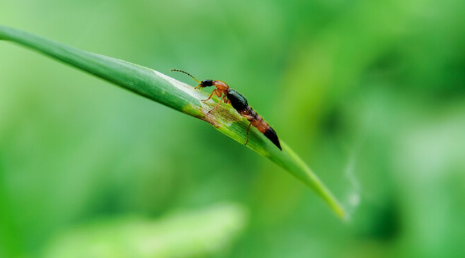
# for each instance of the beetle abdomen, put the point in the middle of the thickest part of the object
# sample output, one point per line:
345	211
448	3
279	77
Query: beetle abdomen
271	134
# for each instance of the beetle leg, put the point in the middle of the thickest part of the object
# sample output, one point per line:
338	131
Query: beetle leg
209	97
248	128
217	105
248	117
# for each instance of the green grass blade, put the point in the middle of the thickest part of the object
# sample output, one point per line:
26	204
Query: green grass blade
208	232
177	95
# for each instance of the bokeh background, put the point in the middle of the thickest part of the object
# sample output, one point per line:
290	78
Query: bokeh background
371	94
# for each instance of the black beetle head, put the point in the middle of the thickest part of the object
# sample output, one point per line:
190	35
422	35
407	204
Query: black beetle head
206	83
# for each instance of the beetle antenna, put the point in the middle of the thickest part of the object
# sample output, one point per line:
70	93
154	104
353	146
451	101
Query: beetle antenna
176	70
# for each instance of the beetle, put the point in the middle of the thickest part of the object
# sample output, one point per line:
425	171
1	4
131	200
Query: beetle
240	104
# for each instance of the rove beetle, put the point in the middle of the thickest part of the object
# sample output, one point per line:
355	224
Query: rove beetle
239	103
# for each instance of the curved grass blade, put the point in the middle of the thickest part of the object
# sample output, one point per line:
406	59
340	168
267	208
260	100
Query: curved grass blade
177	95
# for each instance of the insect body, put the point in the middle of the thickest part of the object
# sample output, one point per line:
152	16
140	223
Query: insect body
240	104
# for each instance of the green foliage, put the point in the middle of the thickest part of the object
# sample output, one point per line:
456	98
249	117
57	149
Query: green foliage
204	233
370	93
179	96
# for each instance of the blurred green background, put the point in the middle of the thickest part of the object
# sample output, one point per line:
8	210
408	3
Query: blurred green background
371	94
